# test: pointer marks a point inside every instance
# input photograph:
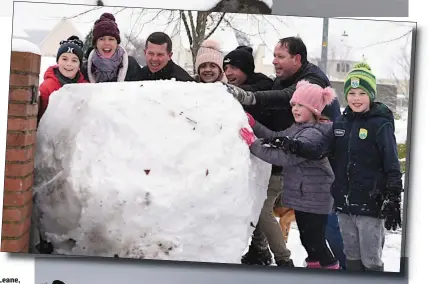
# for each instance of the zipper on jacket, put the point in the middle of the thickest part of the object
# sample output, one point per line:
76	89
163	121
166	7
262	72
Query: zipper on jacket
348	163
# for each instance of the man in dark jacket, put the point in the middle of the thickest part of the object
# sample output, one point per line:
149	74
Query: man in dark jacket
291	66
239	68
160	66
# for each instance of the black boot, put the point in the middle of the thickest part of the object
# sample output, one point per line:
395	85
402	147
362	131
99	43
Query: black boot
44	247
354	265
257	256
375	268
285	263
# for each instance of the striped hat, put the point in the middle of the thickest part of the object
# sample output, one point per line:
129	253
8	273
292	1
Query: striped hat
361	77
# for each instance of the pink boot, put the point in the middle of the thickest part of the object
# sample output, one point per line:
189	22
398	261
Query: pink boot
334	266
313	264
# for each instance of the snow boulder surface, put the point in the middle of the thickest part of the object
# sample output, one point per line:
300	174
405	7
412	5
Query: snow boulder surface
152	170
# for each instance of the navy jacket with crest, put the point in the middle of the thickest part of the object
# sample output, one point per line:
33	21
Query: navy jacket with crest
364	160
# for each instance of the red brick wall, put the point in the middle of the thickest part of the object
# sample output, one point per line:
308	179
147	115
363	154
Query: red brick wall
21	137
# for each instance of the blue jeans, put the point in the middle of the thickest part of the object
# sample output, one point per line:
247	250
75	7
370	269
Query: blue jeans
335	240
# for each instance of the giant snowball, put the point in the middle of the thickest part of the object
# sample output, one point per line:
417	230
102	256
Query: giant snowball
153	170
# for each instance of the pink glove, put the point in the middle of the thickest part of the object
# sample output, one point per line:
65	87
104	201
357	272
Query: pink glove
251	120
248	136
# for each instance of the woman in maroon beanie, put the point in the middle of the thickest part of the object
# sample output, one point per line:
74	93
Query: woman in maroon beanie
108	61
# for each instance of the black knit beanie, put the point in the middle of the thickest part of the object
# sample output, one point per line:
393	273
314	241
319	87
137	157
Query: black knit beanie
242	58
72	45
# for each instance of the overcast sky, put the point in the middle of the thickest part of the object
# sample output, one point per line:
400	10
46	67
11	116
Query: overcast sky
364	37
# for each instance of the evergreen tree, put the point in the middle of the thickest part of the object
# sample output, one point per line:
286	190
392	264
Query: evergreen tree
87	45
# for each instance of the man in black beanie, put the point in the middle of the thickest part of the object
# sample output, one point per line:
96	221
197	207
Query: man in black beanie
239	68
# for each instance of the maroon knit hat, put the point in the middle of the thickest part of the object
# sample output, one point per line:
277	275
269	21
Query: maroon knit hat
105	26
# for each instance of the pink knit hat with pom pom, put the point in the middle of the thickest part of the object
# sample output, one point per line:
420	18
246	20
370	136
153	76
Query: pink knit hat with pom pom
209	52
312	96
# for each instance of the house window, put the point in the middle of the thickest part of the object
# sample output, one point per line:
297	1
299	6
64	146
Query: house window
338	67
347	68
343	68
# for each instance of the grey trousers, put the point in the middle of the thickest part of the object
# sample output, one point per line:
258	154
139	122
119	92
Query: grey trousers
268	228
363	239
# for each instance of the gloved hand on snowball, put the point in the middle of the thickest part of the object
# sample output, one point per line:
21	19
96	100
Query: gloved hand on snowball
251	120
248	136
242	96
284	143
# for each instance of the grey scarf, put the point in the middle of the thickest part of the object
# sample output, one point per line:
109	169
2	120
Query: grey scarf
107	69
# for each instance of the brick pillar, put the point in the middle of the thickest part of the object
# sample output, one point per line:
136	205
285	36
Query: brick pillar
21	137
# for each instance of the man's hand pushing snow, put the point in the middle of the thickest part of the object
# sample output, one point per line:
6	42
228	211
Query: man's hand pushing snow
242	96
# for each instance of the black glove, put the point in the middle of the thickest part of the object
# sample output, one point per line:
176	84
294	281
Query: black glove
278	142
284	143
391	211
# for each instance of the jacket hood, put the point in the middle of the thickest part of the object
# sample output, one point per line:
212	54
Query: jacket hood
377	109
50	73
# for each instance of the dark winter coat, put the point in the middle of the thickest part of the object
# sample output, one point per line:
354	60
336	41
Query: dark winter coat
306	183
170	71
276	102
277	111
365	160
257	82
254	83
128	71
53	81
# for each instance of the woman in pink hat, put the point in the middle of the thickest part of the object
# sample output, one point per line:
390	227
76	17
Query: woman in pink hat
209	63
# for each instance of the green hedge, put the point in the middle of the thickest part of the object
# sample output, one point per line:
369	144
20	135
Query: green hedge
402	153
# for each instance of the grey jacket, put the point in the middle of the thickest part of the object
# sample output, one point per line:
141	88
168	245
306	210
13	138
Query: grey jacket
306	183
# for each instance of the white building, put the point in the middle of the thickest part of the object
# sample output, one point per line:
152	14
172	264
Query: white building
49	40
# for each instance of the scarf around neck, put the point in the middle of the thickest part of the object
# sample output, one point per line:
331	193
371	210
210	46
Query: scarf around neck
106	69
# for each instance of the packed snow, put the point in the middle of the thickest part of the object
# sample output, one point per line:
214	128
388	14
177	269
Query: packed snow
391	253
23	45
151	170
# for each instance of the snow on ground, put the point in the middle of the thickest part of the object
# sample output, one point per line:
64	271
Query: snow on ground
147	170
391	251
401	126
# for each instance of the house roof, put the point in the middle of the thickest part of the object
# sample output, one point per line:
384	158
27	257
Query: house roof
37	36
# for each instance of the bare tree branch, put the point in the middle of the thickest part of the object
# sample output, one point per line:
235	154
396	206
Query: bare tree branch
216	26
386	41
188	31
83	13
191	20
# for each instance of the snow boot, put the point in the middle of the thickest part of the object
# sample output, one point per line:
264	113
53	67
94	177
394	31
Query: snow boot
257	256
354	265
375	268
334	266
285	263
312	264
44	247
